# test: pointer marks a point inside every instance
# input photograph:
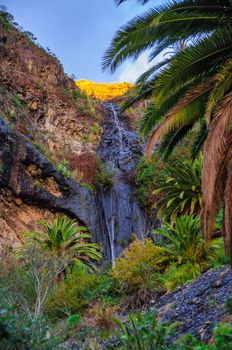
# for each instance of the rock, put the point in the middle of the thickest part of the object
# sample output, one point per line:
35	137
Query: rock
193	303
218	283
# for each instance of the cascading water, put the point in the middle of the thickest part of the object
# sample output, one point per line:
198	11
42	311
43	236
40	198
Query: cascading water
120	150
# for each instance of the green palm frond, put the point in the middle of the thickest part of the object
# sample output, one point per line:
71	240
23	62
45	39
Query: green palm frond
64	236
199	140
153	114
163	26
193	62
184	239
180	189
172	139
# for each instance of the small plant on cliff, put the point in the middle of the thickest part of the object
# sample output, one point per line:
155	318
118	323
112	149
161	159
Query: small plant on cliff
63	237
145	173
63	167
104	177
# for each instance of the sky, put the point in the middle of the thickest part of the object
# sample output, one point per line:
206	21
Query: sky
79	31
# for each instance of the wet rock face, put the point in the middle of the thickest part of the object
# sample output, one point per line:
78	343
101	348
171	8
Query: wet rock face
120	150
198	306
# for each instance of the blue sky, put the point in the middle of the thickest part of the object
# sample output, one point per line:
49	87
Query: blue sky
79	31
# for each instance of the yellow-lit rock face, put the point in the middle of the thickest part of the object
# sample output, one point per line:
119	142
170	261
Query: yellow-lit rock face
103	91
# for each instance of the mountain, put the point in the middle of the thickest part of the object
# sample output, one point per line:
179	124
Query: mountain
62	150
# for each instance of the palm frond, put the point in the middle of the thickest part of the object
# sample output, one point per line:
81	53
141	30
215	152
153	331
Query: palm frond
189	107
173	138
162	27
222	86
214	170
199	140
193	62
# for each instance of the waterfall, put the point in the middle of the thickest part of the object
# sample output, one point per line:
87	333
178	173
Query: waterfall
120	151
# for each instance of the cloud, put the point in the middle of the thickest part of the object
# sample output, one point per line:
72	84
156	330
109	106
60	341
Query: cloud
132	70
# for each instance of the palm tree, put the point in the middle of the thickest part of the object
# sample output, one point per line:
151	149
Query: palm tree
180	189
63	237
192	87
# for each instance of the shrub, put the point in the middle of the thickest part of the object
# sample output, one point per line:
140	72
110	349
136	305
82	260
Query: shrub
103	177
18	333
140	266
144	332
103	316
74	293
184	243
144	178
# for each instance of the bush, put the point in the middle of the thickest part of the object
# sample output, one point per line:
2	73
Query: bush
140	267
18	333
103	177
77	290
185	245
144	178
144	332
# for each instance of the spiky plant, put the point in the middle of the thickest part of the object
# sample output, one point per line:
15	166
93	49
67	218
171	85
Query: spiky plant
189	257
64	236
180	189
193	84
184	239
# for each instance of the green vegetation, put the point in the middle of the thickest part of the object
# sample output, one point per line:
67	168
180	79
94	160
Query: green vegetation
18	333
56	282
179	188
104	177
144	332
63	167
64	237
144	179
78	291
189	89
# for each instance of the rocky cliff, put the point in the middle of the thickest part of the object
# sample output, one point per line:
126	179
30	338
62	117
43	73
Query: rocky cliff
53	139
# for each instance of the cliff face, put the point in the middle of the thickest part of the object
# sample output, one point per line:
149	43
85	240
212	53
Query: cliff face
51	139
41	112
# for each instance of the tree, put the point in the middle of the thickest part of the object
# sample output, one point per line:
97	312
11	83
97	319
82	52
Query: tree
64	237
191	87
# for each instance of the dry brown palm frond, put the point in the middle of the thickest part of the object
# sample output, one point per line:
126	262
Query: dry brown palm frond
169	120
227	227
221	87
215	162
